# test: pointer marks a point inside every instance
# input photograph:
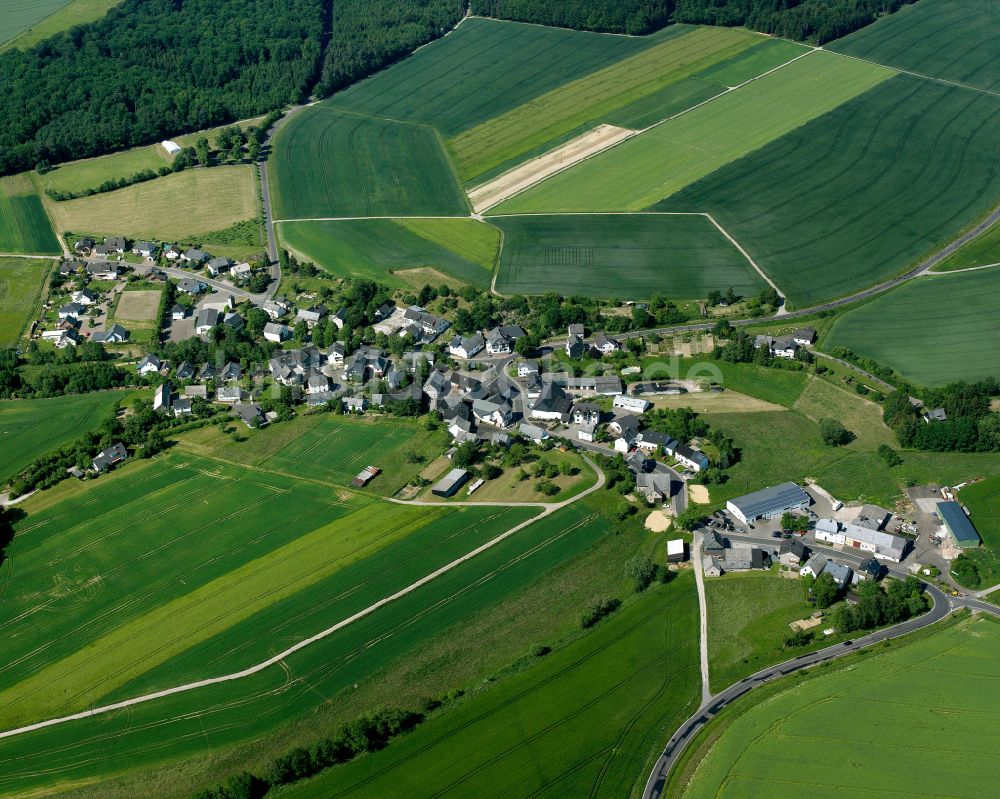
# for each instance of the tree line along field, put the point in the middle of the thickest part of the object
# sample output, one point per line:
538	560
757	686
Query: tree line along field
581	723
933	330
782	743
187	203
386	249
333	164
949	39
670	156
240	712
861	193
620	256
21	281
24	226
31	428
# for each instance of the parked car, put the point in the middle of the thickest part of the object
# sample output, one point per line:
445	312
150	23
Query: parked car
775	534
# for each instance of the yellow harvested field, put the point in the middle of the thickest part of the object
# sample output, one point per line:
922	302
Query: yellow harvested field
698	493
188	203
538	169
138	306
658	521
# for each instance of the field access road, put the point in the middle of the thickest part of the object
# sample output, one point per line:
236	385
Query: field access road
548	508
219	286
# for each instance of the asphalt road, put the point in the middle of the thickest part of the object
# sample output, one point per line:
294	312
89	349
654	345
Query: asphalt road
680	739
223	288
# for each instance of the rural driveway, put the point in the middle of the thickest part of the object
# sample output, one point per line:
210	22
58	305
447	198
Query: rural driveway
549	509
227	288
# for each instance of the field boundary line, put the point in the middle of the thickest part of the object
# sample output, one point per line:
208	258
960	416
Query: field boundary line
362	218
638	132
932	273
305	642
752	262
911	73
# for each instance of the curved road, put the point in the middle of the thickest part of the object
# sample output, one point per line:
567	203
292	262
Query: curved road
943	605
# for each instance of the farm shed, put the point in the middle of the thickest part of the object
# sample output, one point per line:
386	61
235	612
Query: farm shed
768	502
958	524
450	483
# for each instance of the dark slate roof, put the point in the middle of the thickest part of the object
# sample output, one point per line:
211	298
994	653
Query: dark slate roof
958	522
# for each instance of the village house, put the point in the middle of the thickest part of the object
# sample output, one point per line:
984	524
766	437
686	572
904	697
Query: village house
275	308
206	319
277	333
116	334
466	346
113	455
217	266
526	368
103	270
604	345
586	413
146	249
194	257
148	365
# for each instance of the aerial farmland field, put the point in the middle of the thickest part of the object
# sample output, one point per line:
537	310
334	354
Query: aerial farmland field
857	195
24	227
933	330
984	250
31	428
21	282
580	723
19	15
388	250
40	19
620	256
950	39
894	700
186	203
334	164
668	157
202	721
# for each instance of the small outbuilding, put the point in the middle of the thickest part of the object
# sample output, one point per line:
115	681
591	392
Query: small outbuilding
450	483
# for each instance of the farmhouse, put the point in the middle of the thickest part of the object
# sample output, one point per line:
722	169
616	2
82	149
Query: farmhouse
778	347
111	456
958	524
691	458
768	503
879	543
553	404
450	483
804	336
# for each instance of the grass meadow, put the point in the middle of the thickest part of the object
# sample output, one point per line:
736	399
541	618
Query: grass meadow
186	203
485	68
294	697
333	164
31	428
983	501
505	138
389	250
619	256
984	250
858	195
950	39
933	330
24	226
645	169
27	22
900	723
21	281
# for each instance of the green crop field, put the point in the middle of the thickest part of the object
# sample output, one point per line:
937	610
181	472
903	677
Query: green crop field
485	68
861	193
19	15
501	141
581	723
204	721
665	159
329	163
622	256
932	330
21	281
186	203
901	724
24	227
27	22
984	250
951	39
388	249
32	428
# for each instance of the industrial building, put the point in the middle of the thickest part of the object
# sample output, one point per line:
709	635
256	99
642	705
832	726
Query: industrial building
958	524
769	502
